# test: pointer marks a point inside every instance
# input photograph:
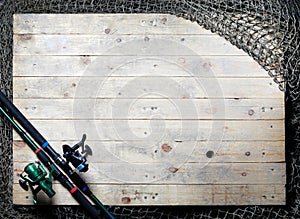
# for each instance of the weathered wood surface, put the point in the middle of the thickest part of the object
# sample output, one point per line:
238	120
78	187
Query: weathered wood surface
59	66
103	24
188	173
241	109
151	87
174	194
227	151
175	115
175	130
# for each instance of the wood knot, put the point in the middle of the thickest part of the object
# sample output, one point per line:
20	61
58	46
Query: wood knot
166	148
25	36
126	200
210	154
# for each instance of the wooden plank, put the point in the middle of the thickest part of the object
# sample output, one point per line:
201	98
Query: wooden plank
102	24
164	66
150	87
164	130
246	109
196	152
162	194
180	173
124	45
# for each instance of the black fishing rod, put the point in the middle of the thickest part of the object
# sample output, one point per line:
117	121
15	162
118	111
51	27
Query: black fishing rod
70	153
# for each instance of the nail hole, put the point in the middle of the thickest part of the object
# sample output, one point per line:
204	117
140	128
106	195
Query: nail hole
263	153
155	151
156	194
263	109
146	39
264	196
271	126
145	133
250	112
271	108
119	40
153	197
247	153
244	174
272	196
145	197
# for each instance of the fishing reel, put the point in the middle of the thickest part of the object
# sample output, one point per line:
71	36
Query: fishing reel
34	177
76	158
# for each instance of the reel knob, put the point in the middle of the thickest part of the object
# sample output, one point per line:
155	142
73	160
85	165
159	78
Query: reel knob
23	184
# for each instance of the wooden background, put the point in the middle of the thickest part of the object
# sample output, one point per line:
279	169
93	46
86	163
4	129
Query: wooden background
174	114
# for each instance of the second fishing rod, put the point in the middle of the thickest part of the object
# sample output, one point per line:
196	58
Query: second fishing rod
56	157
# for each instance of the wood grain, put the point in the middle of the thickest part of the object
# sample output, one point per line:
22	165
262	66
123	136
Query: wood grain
166	194
176	172
174	114
105	24
193	152
164	66
154	130
148	109
146	87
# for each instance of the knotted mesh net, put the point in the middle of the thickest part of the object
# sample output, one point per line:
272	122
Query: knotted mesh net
269	31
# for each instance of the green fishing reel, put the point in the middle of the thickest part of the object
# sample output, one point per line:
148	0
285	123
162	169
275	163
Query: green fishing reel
34	176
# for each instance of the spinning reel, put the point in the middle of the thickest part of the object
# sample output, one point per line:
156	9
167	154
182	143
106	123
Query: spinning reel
76	158
34	176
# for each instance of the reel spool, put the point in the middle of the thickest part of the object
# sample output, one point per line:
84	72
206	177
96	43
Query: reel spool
34	177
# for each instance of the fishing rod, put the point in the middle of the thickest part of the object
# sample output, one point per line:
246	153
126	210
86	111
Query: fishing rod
36	171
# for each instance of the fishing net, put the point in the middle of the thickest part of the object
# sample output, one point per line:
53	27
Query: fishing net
267	30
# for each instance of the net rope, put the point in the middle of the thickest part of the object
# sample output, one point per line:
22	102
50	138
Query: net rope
267	30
